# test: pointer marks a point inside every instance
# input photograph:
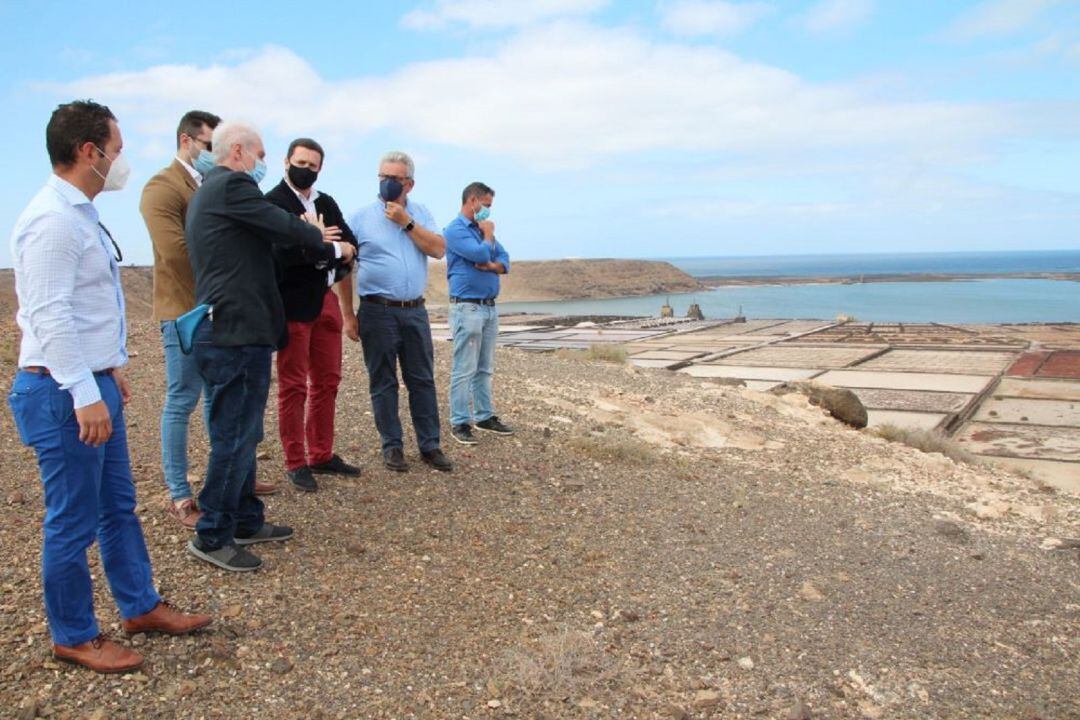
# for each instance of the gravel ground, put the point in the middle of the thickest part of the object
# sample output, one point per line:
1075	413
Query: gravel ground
647	546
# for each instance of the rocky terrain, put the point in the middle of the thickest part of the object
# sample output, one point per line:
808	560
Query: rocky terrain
537	280
648	545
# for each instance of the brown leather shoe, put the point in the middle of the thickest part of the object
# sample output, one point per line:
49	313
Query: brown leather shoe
262	488
100	655
186	513
164	618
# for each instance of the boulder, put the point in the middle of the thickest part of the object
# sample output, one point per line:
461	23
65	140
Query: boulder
844	405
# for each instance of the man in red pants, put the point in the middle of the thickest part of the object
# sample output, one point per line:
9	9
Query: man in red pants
309	366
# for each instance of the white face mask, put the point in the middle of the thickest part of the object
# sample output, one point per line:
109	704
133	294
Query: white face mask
118	172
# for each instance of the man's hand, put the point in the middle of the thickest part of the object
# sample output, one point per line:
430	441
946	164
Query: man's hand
348	251
486	266
396	214
122	385
351	326
487	227
329	234
95	425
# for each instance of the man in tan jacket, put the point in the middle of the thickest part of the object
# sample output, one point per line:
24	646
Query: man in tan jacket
164	208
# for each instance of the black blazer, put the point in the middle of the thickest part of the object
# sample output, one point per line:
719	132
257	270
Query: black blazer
230	232
301	282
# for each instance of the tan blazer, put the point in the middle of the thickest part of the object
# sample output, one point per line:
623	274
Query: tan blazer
164	208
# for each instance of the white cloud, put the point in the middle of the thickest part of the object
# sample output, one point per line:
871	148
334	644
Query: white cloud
712	17
837	15
496	13
999	17
1058	45
605	94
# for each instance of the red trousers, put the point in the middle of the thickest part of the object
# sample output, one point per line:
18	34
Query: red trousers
309	372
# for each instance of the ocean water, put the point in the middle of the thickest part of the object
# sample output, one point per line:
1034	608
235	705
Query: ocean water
992	300
981	263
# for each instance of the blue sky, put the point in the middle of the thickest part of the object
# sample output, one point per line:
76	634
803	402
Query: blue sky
608	129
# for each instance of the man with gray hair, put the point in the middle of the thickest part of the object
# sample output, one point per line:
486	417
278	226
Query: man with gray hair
396	236
231	232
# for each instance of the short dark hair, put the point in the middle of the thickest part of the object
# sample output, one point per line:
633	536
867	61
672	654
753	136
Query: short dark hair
474	190
306	143
73	124
194	121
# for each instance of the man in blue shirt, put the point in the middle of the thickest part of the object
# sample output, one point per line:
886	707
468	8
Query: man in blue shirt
395	238
474	262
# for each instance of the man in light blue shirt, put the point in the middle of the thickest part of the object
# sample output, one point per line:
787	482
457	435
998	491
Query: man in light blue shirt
69	395
474	262
395	238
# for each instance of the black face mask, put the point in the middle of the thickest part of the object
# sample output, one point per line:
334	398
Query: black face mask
301	177
390	189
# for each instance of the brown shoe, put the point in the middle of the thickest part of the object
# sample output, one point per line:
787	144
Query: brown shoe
164	618
100	655
262	488
186	512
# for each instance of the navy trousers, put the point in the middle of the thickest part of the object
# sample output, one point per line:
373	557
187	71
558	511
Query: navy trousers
393	335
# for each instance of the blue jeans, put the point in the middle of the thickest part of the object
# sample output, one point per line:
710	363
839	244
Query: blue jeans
88	493
237	384
474	328
390	335
183	387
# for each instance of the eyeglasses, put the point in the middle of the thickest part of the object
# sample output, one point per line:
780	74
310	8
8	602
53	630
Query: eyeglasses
207	144
401	180
119	255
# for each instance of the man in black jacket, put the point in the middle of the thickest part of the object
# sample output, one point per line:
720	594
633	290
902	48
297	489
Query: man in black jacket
230	232
309	366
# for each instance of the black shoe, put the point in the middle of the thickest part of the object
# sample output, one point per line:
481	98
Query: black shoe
335	466
226	557
267	533
463	434
493	424
302	479
394	458
437	460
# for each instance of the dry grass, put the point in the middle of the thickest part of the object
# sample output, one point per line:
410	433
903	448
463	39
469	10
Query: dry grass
600	352
928	441
564	664
611	450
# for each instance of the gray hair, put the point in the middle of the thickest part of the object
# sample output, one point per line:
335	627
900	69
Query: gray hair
228	134
396	156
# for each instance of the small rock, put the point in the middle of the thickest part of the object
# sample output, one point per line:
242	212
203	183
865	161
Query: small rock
951	530
493	704
16	498
745	663
186	688
706	699
27	709
799	711
810	593
281	665
677	713
355	549
138	639
232	611
629	615
573	486
98	714
264	455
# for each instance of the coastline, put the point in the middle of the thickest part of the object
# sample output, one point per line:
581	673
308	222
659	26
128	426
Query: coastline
737	281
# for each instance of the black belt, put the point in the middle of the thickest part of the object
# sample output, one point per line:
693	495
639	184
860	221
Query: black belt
475	301
380	300
38	370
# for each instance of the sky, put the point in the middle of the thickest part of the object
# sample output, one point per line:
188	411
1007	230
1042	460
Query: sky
670	128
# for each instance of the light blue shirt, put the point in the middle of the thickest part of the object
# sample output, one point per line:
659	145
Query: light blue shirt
388	262
71	304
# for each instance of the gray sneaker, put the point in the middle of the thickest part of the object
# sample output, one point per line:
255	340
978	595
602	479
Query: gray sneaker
226	557
267	533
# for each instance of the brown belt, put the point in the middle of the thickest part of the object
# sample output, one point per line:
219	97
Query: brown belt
39	370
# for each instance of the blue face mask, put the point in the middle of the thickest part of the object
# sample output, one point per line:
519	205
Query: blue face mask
204	163
258	172
482	214
390	189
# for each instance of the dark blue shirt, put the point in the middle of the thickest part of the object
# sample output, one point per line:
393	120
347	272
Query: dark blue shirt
465	247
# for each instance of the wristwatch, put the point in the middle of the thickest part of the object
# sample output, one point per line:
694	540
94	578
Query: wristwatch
409	227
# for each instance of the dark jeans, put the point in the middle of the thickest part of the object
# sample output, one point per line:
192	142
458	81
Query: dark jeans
237	384
391	335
